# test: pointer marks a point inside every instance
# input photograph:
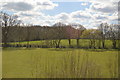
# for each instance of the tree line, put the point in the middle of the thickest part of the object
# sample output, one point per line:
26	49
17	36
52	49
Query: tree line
13	30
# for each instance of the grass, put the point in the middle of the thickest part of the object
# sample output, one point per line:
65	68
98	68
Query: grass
59	63
64	42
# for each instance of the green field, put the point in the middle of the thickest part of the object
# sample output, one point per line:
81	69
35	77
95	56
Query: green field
59	63
64	42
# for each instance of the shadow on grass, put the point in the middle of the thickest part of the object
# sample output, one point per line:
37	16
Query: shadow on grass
17	48
61	49
90	50
101	50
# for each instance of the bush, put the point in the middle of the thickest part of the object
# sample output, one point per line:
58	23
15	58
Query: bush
71	47
62	47
44	46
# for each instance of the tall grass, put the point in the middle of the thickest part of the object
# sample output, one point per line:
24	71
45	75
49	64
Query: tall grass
58	63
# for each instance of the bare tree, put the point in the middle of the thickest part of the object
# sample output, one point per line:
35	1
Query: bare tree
58	34
7	21
80	30
113	34
104	29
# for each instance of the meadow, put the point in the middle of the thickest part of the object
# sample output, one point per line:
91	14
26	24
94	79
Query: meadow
59	63
85	51
83	43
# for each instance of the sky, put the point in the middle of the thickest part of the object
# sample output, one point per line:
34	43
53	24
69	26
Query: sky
89	13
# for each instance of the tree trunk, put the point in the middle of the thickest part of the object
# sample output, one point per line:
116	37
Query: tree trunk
114	44
77	43
103	44
90	44
27	43
58	44
69	42
5	40
99	44
94	44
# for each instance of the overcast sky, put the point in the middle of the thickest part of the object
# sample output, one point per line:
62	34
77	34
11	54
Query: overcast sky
89	13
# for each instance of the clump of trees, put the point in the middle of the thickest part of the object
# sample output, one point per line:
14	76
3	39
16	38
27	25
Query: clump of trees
91	35
109	32
103	33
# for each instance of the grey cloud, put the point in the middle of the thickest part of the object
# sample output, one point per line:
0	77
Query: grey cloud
118	19
107	9
44	4
63	16
26	14
79	16
38	3
100	17
119	6
18	6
